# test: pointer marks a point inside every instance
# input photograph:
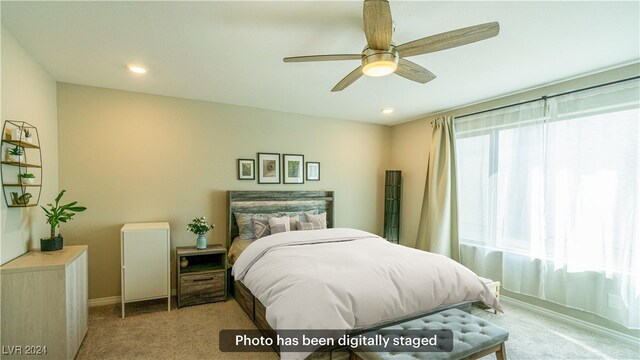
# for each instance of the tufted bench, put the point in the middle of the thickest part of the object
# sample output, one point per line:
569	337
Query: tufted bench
473	337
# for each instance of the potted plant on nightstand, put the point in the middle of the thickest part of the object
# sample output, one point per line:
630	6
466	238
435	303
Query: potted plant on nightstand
57	214
199	226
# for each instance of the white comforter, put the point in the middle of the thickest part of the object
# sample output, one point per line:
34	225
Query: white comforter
350	279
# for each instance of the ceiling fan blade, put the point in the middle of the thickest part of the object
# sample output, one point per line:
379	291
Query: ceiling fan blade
323	58
377	24
414	72
449	39
348	80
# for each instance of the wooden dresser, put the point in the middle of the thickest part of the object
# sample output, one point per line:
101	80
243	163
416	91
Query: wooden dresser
45	304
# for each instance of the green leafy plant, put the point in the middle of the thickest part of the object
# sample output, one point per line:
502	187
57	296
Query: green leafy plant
199	226
27	133
27	176
57	213
15	151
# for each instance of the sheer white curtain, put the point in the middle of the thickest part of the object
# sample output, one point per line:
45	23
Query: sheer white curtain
549	199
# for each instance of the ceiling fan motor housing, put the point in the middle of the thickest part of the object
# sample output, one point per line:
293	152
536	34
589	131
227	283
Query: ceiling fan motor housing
378	63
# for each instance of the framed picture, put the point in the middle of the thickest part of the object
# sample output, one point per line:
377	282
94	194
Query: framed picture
313	171
268	168
246	169
293	169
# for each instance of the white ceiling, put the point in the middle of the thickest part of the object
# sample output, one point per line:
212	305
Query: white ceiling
231	52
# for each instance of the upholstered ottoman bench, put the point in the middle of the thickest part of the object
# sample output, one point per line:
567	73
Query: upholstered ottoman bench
473	338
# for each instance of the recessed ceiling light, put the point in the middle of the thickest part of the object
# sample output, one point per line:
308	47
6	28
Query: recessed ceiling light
386	111
137	69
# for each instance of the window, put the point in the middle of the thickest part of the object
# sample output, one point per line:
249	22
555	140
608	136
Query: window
557	181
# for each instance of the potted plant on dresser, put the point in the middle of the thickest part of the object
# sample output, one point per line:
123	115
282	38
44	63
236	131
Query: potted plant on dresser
57	214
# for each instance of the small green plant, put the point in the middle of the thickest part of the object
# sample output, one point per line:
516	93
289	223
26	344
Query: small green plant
27	176
199	226
27	133
15	151
57	214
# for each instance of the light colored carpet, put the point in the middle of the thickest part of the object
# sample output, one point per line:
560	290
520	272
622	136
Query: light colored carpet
150	332
536	336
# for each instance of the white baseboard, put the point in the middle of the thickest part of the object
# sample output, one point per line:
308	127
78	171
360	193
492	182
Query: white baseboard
111	300
577	322
104	301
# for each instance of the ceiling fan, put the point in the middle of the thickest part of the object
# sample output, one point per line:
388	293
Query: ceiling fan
382	57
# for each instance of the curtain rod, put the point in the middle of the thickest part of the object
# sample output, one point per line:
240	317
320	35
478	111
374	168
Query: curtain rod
549	97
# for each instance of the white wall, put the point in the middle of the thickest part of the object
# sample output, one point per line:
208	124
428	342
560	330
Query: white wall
132	157
28	94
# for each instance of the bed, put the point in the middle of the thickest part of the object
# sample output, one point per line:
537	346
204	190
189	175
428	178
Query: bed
344	252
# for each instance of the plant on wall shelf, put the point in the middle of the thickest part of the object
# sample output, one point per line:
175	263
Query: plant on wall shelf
15	151
27	135
27	178
57	214
15	154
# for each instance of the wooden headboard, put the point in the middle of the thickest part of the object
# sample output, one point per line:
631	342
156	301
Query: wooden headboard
269	202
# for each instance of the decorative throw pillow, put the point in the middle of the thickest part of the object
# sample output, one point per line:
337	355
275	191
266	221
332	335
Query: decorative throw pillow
306	226
261	228
275	221
293	222
245	225
319	221
278	228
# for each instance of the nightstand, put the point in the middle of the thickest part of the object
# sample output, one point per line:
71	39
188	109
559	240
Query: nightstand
202	278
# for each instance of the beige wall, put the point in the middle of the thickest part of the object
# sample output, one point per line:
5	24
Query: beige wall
410	142
132	157
28	94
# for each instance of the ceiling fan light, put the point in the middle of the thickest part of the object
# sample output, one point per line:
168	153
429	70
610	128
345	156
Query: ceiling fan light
376	63
379	68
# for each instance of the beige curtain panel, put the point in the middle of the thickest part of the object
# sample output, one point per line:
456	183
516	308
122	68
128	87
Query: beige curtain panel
438	231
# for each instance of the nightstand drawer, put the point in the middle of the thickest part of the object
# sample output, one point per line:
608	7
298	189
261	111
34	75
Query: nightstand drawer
209	282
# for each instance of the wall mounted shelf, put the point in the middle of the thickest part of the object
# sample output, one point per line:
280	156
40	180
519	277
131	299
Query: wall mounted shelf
24	137
21	164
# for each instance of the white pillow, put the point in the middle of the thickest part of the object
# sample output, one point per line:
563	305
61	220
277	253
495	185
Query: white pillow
319	221
276	223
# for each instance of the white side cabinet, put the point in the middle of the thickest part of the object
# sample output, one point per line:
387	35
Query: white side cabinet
44	304
145	262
